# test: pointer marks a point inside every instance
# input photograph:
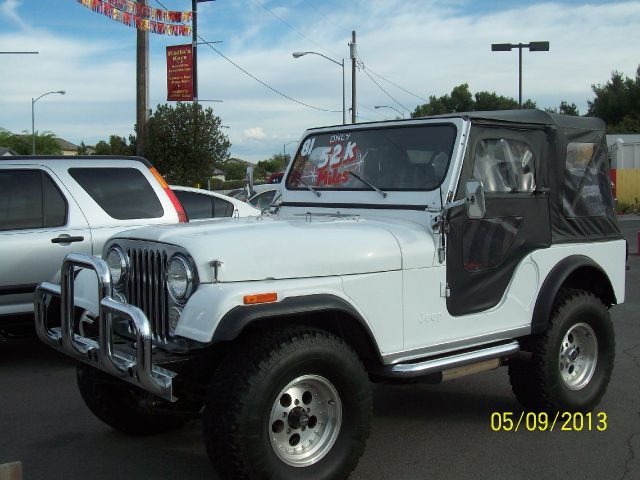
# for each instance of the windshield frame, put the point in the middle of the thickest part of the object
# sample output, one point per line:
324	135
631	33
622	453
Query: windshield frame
373	127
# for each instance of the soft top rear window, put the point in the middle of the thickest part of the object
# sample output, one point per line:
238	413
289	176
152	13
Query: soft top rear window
414	158
123	193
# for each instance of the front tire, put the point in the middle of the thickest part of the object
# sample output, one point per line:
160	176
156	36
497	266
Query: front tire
292	404
571	362
123	406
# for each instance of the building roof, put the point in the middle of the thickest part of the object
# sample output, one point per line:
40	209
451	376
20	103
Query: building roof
625	137
65	145
6	150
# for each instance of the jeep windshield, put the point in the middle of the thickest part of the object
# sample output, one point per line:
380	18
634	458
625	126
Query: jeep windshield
412	158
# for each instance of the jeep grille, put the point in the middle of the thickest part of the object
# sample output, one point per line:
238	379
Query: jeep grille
146	287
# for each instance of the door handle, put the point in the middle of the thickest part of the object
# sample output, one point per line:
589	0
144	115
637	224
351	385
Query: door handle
64	238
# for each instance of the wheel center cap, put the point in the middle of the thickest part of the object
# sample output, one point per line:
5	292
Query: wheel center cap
298	418
572	354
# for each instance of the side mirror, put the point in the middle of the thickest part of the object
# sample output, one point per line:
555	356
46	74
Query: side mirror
475	199
248	181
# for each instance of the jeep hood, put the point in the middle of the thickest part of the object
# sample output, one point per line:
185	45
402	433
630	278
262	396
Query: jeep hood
258	248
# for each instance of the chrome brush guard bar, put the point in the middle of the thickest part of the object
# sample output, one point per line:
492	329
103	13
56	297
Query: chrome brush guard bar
139	369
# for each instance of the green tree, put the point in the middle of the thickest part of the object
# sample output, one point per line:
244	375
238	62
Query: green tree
462	100
618	103
493	101
82	149
234	170
22	144
116	146
186	143
102	148
277	163
565	108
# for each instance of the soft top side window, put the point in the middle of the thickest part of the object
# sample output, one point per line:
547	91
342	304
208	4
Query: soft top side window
504	165
587	185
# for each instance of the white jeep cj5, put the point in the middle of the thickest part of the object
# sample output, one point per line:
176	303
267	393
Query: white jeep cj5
417	250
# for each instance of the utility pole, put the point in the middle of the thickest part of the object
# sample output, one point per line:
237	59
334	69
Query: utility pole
352	54
142	87
194	46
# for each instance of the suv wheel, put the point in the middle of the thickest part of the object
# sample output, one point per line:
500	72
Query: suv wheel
571	363
125	407
293	404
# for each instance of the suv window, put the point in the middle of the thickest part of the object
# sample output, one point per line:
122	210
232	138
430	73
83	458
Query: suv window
504	166
405	158
200	205
30	199
587	187
123	193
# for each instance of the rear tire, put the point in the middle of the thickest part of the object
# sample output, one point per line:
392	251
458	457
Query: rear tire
123	406
290	404
571	362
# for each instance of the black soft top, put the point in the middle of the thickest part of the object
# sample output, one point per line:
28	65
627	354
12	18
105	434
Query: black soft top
531	117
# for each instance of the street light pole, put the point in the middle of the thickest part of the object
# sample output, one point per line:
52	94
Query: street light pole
33	118
532	46
389	106
284	148
300	54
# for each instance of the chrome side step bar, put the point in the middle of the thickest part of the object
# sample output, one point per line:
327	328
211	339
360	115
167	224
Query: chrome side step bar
440	364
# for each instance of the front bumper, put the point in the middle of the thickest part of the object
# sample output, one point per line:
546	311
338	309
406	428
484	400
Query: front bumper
137	369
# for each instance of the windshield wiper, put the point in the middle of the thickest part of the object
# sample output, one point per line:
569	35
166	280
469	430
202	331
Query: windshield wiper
384	194
307	186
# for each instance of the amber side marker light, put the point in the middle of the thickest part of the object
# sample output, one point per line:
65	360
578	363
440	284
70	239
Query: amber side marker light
260	298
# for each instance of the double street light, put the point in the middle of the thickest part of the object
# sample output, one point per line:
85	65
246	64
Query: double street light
389	106
300	54
33	121
532	46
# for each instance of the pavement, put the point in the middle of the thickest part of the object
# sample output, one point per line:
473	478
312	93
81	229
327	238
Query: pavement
418	432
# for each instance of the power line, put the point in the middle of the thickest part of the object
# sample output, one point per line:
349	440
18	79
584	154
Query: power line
263	83
210	45
397	86
364	69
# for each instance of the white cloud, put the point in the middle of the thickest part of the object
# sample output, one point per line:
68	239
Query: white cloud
9	9
255	133
426	46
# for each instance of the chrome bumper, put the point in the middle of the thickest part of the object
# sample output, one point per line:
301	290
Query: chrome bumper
139	369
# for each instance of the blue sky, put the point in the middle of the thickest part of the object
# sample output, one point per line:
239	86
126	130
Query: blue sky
425	46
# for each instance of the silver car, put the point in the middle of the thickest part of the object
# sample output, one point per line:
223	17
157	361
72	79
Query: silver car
52	206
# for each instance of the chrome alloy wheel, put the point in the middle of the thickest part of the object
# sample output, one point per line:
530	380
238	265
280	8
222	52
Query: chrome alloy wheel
578	356
305	420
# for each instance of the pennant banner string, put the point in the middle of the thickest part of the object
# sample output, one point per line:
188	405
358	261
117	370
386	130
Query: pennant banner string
142	17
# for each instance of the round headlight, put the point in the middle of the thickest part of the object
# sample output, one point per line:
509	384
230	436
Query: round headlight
117	262
179	278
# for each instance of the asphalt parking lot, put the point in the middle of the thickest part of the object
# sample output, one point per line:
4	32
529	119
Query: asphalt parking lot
418	431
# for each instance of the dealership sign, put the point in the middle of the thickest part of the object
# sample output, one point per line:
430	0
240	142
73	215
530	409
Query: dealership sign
180	73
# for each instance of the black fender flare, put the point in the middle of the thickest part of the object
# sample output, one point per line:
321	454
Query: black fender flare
238	318
559	276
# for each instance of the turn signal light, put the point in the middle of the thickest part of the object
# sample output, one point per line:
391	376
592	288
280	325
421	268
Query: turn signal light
260	298
182	216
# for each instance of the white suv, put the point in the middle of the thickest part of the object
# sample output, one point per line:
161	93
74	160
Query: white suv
52	206
422	249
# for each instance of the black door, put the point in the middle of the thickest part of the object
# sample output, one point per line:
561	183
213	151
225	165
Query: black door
482	254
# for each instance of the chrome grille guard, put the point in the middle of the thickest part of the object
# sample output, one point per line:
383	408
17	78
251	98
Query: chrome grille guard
139	369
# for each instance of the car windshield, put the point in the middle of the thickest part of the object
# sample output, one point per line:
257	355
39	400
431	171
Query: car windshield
399	158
